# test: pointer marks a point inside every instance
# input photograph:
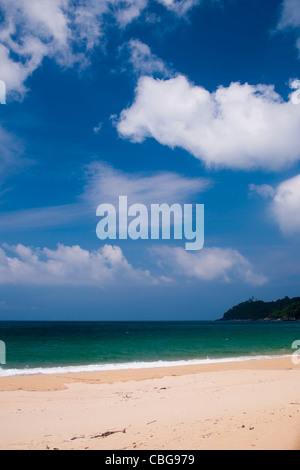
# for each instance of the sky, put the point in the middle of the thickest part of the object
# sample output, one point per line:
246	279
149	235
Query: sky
164	101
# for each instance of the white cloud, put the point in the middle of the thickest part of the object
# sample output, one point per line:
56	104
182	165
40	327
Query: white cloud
13	73
87	18
240	127
143	61
68	265
75	266
286	205
30	31
33	29
210	264
290	17
63	30
104	184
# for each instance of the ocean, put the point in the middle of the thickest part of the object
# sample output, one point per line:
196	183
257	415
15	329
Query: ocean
61	347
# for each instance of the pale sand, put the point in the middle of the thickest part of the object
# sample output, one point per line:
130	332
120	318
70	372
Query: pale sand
238	405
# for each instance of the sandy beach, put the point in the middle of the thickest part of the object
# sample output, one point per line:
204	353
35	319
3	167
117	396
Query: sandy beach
238	405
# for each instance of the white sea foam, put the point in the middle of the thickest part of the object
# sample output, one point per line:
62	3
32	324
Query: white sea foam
126	366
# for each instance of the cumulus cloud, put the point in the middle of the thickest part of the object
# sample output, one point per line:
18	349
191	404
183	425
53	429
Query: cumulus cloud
210	264
67	265
75	266
241	127
286	205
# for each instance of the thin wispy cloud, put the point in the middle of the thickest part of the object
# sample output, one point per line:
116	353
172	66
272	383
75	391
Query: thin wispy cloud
264	190
180	7
290	19
144	61
98	128
105	184
65	215
11	149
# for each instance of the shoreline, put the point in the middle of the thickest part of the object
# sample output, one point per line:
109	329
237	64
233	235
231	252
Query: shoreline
133	365
60	381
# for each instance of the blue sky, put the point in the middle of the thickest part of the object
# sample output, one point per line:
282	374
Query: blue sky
165	101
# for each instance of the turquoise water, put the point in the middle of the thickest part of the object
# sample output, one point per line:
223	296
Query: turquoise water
43	347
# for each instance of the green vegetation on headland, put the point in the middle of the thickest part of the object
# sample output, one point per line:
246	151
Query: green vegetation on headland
281	310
